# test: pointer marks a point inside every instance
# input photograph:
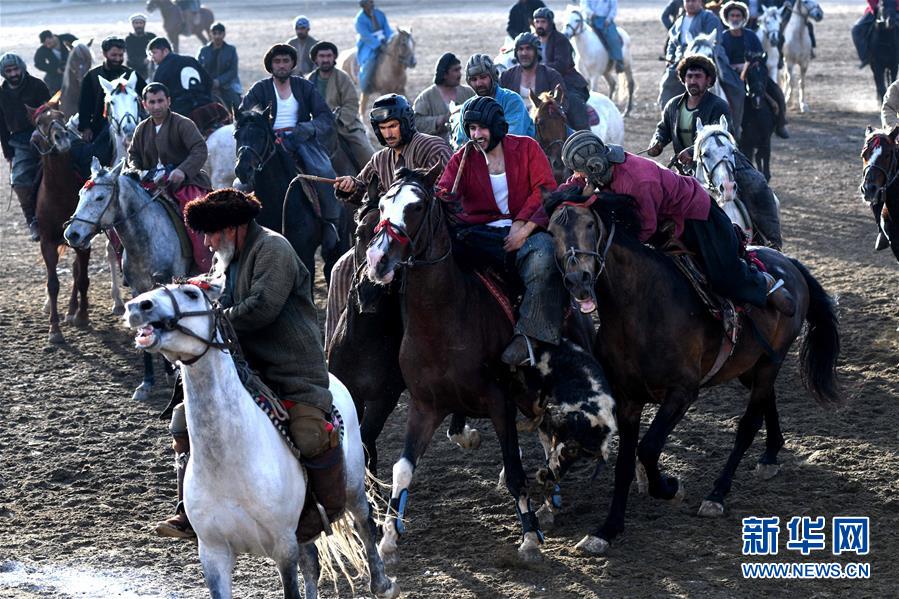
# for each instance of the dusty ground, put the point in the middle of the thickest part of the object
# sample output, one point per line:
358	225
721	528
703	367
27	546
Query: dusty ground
85	471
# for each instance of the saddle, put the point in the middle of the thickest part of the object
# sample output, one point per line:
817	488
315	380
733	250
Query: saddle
592	116
210	117
174	213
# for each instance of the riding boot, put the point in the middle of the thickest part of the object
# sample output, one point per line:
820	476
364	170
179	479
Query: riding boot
326	493
520	351
330	211
779	296
811	35
28	203
178	526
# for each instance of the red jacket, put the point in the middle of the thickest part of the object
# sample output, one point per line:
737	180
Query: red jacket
527	173
871	9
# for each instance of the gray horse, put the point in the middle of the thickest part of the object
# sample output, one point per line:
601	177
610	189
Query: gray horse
153	250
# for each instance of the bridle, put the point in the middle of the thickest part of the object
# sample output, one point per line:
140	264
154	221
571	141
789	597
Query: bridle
561	142
708	173
890	174
97	225
403	52
214	315
399	234
45	137
120	122
570	257
578	28
263	157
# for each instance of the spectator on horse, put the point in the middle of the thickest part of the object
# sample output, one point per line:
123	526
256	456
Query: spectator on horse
889	111
219	59
694	21
190	14
302	43
520	17
303	125
662	195
20	90
432	106
559	55
601	15
189	85
341	96
50	57
136	45
372	33
92	123
861	31
743	46
500	192
529	75
480	74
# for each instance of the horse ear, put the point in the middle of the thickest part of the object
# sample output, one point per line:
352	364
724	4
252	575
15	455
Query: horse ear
132	80
95	166
374	185
433	174
723	122
535	99
30	112
868	130
89	43
699	124
559	94
117	169
105	84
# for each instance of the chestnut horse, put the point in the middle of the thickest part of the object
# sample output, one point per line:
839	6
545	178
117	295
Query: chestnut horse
879	187
173	22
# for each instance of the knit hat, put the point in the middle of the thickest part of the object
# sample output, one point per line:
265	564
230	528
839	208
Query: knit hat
10	59
446	62
221	209
301	21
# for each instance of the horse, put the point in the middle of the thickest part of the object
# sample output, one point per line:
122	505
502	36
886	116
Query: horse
759	119
592	58
153	251
221	149
879	188
389	76
264	166
173	22
797	49
769	32
884	55
56	199
123	110
244	488
683	348
77	65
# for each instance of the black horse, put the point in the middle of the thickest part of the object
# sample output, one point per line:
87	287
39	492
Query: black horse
267	168
880	182
758	119
884	54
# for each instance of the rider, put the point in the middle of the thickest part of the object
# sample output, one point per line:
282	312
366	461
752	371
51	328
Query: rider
678	126
372	33
889	111
304	126
190	14
501	196
20	90
662	195
529	75
695	20
50	57
188	82
742	46
219	59
520	19
268	301
167	140
481	75
558	54
432	106
861	31
340	95
602	18
302	43
136	45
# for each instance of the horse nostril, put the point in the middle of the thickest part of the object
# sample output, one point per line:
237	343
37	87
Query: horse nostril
146	305
585	277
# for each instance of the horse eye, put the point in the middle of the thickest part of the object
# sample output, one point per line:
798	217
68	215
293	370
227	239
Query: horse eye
590	225
191	294
98	198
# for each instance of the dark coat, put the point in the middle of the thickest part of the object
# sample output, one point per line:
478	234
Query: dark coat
711	108
178	143
136	51
520	16
188	82
13	117
45	60
559	55
92	99
546	80
223	71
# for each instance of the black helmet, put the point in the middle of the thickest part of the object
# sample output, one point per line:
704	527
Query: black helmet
486	111
544	13
527	38
393	107
586	153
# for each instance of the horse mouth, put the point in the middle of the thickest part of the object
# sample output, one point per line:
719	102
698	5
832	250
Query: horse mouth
586	306
146	337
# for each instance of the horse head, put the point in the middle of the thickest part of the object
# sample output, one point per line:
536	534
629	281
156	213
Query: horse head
122	105
78	64
713	152
255	142
808	9
96	210
703	44
50	133
770	24
755	79
880	157
406	214
152	5
402	45
574	22
552	128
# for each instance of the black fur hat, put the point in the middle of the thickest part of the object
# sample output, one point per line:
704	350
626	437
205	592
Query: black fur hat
221	209
279	50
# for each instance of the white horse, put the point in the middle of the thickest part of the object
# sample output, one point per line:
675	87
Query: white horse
770	22
222	152
611	122
798	50
244	489
505	60
592	58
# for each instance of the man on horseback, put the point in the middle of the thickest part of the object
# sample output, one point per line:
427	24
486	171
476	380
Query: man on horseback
520	16
500	190
529	75
372	33
188	82
268	301
861	31
602	15
559	55
743	46
20	90
136	45
304	126
190	14
432	106
219	59
662	195
302	43
50	57
480	74
695	20
889	110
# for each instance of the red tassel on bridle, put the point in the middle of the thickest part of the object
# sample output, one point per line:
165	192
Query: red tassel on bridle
393	232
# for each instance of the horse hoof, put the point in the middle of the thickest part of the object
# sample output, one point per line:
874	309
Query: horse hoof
56	338
642	479
118	309
142	393
680	495
711	509
591	545
767	471
546	517
529	552
391	592
81	321
469	438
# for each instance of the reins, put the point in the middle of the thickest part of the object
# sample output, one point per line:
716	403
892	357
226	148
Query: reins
51	147
270	149
571	255
214	315
890	174
709	172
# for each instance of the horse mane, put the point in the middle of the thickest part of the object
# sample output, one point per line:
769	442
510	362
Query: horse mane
610	207
872	135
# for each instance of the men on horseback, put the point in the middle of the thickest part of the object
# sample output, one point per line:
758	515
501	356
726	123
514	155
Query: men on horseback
136	45
432	106
529	75
50	57
480	74
92	123
190	14
695	20
20	89
601	14
559	54
189	85
743	46
268	301
372	33
302	43
861	30
500	190
303	125
219	59
520	16
336	87
661	195
170	146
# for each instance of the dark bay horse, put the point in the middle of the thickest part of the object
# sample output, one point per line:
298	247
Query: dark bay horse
655	349
758	118
552	129
173	22
884	54
57	198
879	187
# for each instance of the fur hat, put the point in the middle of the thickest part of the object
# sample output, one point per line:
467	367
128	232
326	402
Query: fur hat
279	50
322	45
221	209
732	5
696	61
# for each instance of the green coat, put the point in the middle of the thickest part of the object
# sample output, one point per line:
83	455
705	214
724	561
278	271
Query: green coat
271	309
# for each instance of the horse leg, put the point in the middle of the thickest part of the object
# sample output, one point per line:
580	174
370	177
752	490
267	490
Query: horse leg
420	426
142	393
218	565
311	569
373	421
762	394
364	522
671	412
51	259
287	568
768	466
610	78
550	482
628	434
81	318
803	68
764	157
463	435
73	296
115	273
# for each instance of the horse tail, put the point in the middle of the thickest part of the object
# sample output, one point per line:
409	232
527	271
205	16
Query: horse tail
820	347
342	551
626	81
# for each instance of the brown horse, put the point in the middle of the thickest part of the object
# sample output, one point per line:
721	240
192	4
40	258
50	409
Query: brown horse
658	344
390	73
57	198
552	128
879	187
173	22
77	65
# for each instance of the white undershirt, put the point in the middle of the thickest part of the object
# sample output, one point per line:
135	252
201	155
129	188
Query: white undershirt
286	115
501	195
686	36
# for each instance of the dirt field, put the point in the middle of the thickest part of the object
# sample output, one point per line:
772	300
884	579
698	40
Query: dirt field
85	471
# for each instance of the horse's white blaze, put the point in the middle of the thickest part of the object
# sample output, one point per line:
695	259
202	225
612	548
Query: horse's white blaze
393	208
875	155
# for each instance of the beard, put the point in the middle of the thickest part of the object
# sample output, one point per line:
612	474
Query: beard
14	81
541	31
223	257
